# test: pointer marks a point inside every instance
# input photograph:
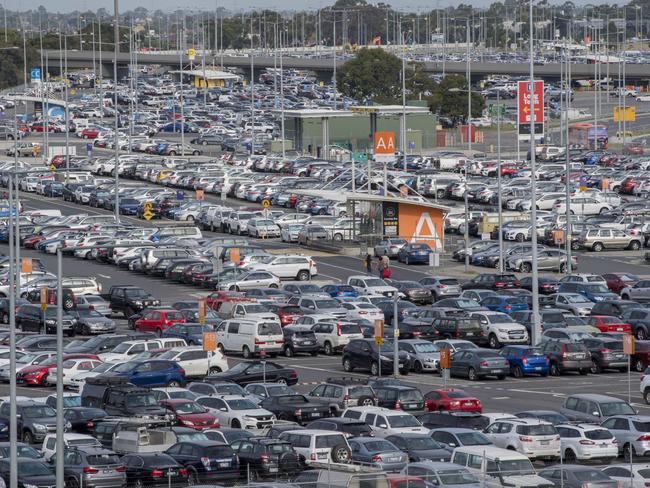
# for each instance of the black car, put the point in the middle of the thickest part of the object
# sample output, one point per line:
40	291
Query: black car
261	457
23	450
475	364
37	343
31	473
546	285
606	354
455	419
295	408
615	308
492	281
566	356
352	427
399	397
154	469
206	461
388	308
420	447
299	340
105	343
82	419
256	371
367	355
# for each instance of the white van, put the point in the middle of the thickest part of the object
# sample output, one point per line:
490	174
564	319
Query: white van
501	467
250	337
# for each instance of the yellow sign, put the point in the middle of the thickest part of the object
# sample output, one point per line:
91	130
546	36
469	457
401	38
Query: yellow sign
266	203
379	341
209	341
52	168
627	114
26	265
200	195
147	213
73	92
191	53
234	255
445	358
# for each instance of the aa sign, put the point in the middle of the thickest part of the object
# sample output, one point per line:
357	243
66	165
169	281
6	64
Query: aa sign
384	146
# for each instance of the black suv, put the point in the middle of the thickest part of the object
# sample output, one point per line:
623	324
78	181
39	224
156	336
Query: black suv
352	427
566	356
460	328
492	281
399	397
606	354
206	461
266	457
615	308
299	339
468	420
365	354
30	318
118	397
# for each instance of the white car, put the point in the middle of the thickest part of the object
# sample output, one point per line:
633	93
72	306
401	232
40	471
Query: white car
585	442
195	361
320	446
500	329
293	267
128	350
69	439
582	206
262	228
385	422
237	412
371	285
72	367
172	393
361	310
333	337
639	478
4	356
29	359
535	439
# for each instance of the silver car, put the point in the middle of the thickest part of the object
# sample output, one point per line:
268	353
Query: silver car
573	302
253	279
639	292
425	356
442	287
390	247
630	430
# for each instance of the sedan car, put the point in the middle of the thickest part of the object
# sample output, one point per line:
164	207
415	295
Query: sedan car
414	254
252	279
477	364
90	321
378	453
445	399
420	447
256	371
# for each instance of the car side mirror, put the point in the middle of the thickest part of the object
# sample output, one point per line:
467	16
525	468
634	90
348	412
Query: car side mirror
383	426
223	409
597	414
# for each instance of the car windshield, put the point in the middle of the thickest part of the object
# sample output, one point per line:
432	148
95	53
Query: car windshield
593	288
379	446
123	347
87	312
426	347
499	319
103	459
456	477
255	308
576	299
590	476
602	434
241	404
375	282
34	469
616	408
135	293
72	401
280	390
38	412
413	395
399	421
327	304
190	407
473	439
27	358
269	329
102	368
141	400
457	394
306	289
644	473
540	429
126	367
350	329
361	391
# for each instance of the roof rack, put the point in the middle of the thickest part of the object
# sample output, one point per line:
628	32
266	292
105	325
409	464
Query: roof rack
345	380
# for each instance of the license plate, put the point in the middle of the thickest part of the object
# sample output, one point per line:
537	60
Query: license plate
538	368
603	445
412	405
469	334
393	459
620	329
224	465
172	472
107	471
495	371
315	414
309	343
273	470
545	443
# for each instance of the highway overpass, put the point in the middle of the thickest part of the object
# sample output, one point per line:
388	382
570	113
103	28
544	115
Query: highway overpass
84	59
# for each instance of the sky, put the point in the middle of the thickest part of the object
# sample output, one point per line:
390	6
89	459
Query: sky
235	5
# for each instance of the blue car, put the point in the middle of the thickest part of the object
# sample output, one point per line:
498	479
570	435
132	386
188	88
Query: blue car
192	333
151	373
525	360
414	253
505	303
594	292
129	206
340	290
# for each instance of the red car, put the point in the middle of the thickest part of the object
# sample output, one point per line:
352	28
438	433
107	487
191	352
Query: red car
617	281
191	414
89	133
158	320
286	313
36	374
40	127
30	242
641	357
608	323
215	299
451	399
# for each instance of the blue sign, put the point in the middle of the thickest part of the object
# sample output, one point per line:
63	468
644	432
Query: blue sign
36	74
180	195
89	148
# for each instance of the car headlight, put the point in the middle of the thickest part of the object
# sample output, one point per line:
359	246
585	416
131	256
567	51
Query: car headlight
40	427
188	422
138	302
50	322
384	358
27	485
504	331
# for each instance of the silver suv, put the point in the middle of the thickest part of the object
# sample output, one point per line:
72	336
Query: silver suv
341	393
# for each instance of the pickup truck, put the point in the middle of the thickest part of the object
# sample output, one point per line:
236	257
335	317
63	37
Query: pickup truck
129	299
134	438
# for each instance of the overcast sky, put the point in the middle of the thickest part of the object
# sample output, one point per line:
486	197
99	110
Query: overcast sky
170	5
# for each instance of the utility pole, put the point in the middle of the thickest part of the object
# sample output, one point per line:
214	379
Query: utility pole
116	39
469	145
535	329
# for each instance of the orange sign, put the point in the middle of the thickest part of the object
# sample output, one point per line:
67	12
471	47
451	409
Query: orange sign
379	328
421	224
445	358
209	341
628	344
202	311
200	195
26	265
234	255
384	145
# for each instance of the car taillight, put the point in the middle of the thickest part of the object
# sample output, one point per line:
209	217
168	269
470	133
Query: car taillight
158	473
181	371
120	469
525	438
499	284
524	360
376	459
264	458
564	354
483	363
346	399
182	472
90	424
644	437
398	405
507	307
454	404
89	470
293	375
363	312
605	351
205	461
298	412
338	329
586	442
312	456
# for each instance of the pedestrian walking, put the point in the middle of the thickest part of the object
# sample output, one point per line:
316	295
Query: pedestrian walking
369	263
380	267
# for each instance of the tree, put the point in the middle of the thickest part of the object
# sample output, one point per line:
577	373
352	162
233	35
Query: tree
419	83
373	74
449	98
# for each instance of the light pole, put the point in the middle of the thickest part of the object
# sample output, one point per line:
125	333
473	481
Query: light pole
535	329
116	38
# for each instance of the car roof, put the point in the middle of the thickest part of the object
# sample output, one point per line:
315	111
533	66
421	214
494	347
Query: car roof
595	397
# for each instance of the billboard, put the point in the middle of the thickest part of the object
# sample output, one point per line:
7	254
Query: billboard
530	116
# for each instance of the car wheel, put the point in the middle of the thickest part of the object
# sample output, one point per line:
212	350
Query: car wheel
569	456
213	371
417	367
273	285
520	237
517	372
246	352
173	384
281	381
235	424
28	437
595	367
583	371
641	334
471	374
501	377
563	268
494	342
288	351
72	483
366	401
597	247
525	267
234	288
303	275
627	450
192	478
347	366
635	245
639	365
374	369
221	349
328	349
5	318
341	454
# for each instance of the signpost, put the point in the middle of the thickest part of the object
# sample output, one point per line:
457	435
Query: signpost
445	364
627	114
200	195
266	203
628	349
180	195
234	255
379	340
147	214
524	118
35	74
191	53
202	307
209	341
384	145
26	265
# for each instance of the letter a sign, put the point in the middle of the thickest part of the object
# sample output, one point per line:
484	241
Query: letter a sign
385	147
